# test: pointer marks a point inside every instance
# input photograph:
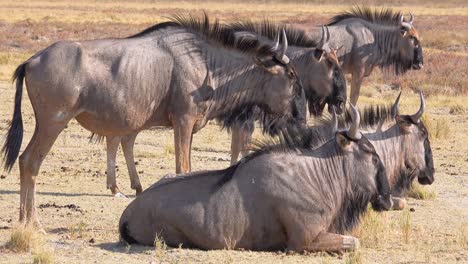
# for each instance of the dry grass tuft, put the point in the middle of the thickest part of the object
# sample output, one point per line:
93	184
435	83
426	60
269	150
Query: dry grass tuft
406	225
419	192
43	257
78	230
22	239
437	128
169	149
462	236
160	247
457	108
371	230
354	258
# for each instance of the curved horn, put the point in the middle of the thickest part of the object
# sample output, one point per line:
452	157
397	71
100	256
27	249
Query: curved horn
394	110
404	24
416	117
284	43
276	45
411	19
353	131
322	38
328	33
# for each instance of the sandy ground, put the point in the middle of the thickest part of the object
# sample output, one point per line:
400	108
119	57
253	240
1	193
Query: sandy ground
74	174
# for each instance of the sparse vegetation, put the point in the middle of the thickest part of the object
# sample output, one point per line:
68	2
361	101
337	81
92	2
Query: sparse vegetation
354	258
371	230
43	257
78	230
406	225
22	239
160	247
438	128
420	192
457	109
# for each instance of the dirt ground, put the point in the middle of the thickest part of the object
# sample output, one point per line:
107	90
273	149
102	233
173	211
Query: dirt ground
81	217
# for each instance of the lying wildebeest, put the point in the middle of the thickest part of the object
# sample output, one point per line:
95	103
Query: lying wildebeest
317	66
401	141
294	196
173	74
364	38
367	37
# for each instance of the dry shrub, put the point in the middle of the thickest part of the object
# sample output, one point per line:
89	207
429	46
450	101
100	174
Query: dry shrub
417	191
77	230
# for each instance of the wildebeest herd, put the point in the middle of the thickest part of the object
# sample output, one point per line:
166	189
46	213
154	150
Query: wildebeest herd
299	191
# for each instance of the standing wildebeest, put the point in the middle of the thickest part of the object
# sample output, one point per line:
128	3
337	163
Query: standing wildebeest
366	38
294	195
173	74
317	67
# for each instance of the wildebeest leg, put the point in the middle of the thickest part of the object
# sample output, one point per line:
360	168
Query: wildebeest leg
127	147
356	82
30	162
112	147
398	203
183	128
330	242
241	137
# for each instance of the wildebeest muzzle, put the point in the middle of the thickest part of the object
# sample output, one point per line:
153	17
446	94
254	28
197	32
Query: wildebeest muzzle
418	61
383	200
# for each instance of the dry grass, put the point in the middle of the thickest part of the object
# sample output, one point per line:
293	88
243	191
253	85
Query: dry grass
354	258
78	230
457	109
371	230
160	248
420	192
43	256
22	239
405	223
438	129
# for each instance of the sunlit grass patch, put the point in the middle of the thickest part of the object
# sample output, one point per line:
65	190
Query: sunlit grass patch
437	128
405	222
372	229
420	192
354	258
22	239
78	230
43	256
160	248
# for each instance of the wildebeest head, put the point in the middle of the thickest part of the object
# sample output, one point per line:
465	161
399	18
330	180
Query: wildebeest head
419	162
370	177
410	48
326	83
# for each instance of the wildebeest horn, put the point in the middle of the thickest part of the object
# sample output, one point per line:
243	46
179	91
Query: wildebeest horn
411	19
404	24
416	117
353	131
275	47
284	46
328	33
394	110
284	43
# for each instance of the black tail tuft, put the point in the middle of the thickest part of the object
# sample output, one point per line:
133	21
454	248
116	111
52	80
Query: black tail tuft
124	234
14	137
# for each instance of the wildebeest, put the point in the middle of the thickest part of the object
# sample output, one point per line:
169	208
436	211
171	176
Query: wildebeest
317	66
294	196
366	38
401	141
176	74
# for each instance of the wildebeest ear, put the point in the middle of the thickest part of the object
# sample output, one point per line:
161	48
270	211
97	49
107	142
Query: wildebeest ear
269	67
342	141
318	54
404	123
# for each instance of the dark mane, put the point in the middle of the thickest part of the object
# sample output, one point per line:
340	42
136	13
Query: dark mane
384	16
268	29
214	32
371	116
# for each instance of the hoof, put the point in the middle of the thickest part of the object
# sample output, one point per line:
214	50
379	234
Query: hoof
350	243
398	203
120	195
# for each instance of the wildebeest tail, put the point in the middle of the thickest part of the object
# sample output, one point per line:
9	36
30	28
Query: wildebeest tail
14	137
124	234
